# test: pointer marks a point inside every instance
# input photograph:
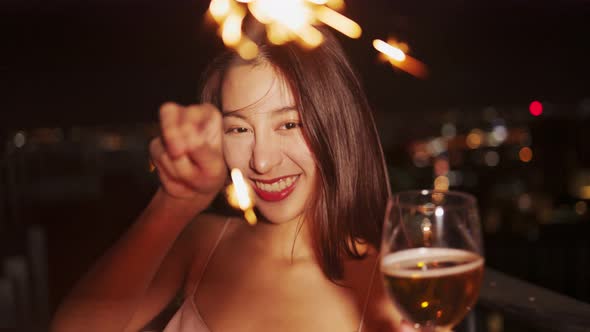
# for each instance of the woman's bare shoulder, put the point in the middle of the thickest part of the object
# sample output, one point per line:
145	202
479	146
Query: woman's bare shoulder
205	228
201	236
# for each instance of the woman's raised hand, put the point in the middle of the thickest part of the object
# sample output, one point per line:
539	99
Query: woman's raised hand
188	154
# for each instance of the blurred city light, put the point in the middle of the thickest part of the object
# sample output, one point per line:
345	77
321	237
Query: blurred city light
474	139
455	178
437	146
581	207
441	166
536	108
46	135
439	211
525	154
111	142
492	158
19	139
448	130
524	202
441	183
499	135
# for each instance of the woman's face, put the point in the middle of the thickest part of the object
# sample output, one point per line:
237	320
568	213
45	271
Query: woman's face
263	138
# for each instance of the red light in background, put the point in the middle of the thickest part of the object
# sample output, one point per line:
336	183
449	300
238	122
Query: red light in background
536	108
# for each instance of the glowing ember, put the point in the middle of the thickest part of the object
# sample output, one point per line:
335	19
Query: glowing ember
239	195
284	21
397	56
391	51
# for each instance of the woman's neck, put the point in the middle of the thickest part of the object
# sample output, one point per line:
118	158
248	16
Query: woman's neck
290	240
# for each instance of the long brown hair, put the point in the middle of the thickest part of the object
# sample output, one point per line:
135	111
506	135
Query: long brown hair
349	202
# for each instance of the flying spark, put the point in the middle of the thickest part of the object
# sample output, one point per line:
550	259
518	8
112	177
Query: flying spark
398	57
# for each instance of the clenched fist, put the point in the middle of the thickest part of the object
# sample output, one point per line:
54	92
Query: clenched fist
188	154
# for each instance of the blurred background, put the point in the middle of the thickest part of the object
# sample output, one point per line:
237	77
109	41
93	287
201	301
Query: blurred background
504	114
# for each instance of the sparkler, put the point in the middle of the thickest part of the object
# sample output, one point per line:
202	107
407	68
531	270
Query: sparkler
239	195
295	20
284	21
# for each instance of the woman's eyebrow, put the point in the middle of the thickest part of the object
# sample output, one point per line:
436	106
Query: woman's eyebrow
238	114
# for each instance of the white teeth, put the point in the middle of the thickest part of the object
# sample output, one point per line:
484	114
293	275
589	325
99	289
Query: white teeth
276	186
282	185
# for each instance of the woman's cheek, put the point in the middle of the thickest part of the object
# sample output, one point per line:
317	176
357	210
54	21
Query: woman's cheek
298	151
235	152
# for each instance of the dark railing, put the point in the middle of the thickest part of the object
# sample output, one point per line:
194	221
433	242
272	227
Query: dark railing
531	306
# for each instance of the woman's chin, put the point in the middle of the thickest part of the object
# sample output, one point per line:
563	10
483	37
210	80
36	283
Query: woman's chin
277	215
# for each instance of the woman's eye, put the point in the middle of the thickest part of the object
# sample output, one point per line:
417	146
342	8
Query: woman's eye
237	130
291	125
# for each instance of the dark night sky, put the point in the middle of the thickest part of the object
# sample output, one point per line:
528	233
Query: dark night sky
64	62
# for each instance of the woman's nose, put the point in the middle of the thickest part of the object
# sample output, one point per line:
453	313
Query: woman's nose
266	154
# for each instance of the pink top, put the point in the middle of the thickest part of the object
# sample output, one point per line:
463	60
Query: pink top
188	318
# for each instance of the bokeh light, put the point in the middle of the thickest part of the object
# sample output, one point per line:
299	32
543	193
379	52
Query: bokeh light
525	154
474	139
492	158
581	208
536	108
448	130
441	183
524	202
20	139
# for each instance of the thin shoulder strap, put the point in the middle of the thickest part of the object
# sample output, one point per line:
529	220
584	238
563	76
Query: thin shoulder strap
370	289
202	272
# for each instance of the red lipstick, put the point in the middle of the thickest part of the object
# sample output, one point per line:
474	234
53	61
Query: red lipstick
274	196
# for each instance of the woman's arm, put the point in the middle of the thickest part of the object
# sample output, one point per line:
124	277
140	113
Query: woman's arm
191	169
108	295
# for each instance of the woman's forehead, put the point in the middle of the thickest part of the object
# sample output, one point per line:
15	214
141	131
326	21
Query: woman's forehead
256	87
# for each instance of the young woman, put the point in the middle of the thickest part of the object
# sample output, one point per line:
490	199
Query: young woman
298	126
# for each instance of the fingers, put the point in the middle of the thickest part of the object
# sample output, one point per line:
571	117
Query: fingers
202	130
185	128
170	120
193	122
189	151
178	189
180	172
161	159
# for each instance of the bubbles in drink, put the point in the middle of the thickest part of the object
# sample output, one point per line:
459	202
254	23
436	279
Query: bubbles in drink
433	286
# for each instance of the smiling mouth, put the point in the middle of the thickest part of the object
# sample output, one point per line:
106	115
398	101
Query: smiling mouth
276	190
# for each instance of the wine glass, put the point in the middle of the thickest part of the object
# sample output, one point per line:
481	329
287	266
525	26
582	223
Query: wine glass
432	257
